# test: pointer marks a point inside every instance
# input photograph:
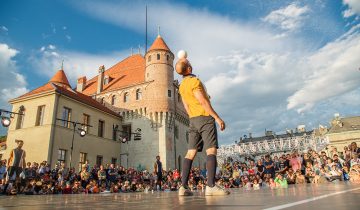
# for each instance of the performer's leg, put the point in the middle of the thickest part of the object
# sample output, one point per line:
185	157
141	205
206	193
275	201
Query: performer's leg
190	155
211	166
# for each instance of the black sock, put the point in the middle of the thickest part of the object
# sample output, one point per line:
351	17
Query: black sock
186	171
211	170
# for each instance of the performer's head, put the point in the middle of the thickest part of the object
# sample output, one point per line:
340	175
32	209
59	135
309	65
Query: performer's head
157	157
183	67
20	143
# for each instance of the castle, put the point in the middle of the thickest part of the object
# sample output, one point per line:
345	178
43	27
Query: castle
138	95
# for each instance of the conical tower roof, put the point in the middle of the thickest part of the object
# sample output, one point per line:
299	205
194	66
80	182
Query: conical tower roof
60	77
159	44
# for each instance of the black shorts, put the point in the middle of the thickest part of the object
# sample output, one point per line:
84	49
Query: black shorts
202	133
14	169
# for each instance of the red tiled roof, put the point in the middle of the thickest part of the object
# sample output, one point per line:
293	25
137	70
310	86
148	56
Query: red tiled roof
60	77
48	86
84	99
159	44
127	72
58	83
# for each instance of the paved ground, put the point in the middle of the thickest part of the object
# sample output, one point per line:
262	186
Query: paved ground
328	196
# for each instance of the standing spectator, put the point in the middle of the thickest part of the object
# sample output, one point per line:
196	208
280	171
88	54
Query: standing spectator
158	171
16	162
112	173
101	175
84	175
295	162
260	168
269	167
276	163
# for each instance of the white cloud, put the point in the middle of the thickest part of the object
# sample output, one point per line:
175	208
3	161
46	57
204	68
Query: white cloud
52	47
288	18
3	28
354	8
49	60
12	83
255	81
335	71
68	37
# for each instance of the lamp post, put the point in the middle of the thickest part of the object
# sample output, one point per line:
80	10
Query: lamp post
6	120
81	132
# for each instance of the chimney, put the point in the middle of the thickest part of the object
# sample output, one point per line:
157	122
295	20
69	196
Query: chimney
81	82
100	82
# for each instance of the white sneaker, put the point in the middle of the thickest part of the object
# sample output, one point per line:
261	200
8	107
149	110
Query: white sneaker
216	190
185	191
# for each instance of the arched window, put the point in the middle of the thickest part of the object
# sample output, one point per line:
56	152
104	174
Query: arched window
167	57
149	58
102	100
113	100
126	97
138	94
158	56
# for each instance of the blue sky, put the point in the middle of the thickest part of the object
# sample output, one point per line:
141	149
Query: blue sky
268	64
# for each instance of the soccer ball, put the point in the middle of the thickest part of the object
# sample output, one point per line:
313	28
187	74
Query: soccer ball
182	54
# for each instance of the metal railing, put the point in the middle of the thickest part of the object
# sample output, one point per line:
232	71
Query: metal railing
277	145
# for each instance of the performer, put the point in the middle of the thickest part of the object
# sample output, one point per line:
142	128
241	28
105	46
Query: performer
202	127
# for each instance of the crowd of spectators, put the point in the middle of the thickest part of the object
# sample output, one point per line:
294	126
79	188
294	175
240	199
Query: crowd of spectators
268	171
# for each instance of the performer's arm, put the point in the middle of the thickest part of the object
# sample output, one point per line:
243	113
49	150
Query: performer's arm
205	103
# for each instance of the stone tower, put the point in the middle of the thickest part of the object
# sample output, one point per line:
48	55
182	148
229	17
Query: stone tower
159	70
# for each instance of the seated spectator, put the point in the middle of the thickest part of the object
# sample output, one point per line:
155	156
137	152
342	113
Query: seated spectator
300	179
290	176
280	181
334	174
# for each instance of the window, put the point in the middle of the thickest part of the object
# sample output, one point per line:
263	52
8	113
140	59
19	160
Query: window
86	121
187	136
167	57
138	94
126	97
158	56
149	58
82	159
66	115
126	132
40	115
99	160
106	80
113	161
101	128
20	118
102	100
61	156
113	100
114	135
169	93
